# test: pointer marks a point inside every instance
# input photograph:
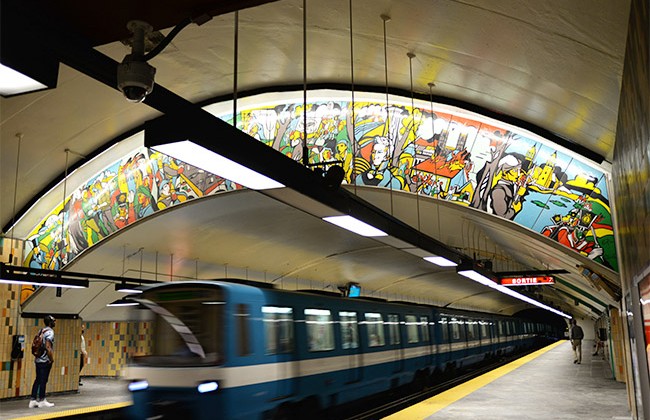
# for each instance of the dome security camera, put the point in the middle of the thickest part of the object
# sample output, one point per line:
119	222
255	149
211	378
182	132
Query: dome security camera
135	79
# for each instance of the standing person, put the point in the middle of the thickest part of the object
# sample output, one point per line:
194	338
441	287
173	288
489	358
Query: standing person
44	365
84	355
576	335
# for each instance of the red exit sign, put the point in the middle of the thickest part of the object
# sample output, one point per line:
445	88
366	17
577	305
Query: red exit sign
525	281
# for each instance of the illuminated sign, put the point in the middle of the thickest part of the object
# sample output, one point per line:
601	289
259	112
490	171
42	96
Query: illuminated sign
528	280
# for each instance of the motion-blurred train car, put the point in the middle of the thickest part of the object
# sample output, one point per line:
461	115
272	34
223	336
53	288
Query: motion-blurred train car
222	349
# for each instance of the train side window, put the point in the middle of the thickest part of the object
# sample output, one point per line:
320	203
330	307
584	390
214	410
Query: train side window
349	330
444	327
320	329
501	329
424	327
243	329
278	329
484	330
455	328
411	329
375	329
393	329
472	330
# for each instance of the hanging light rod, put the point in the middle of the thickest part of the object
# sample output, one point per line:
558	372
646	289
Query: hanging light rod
11	274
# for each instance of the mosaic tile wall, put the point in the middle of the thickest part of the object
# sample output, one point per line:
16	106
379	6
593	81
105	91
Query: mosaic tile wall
110	345
17	375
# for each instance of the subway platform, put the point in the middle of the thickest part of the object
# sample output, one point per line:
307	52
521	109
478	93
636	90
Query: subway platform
95	396
541	386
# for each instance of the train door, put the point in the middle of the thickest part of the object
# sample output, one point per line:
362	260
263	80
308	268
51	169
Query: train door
375	339
280	349
485	339
426	338
394	340
444	348
458	340
350	344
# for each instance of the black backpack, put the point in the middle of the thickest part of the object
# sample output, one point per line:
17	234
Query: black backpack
37	343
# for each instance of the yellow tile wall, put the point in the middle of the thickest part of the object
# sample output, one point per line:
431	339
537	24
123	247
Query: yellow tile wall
17	376
109	344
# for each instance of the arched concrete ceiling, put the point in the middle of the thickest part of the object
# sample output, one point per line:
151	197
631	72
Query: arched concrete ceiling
554	66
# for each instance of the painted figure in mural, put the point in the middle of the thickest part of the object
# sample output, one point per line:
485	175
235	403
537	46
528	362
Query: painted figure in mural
76	239
506	197
571	230
103	190
166	197
123	212
144	204
498	143
379	174
344	154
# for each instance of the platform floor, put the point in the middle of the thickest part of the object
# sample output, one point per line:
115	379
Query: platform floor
541	386
96	394
544	385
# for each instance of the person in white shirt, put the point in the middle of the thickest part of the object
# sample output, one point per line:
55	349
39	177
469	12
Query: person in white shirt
83	357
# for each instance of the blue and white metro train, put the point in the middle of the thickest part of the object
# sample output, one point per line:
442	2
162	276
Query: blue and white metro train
222	349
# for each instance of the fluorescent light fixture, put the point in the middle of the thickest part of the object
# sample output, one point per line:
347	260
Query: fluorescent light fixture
123	302
24	65
481	278
13	82
127	288
138	386
440	261
53	282
355	225
196	155
476	276
207	387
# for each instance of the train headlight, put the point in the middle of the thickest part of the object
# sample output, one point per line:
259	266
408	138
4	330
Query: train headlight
207	387
138	386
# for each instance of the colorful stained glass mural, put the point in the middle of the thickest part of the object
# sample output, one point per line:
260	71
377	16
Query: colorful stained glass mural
429	149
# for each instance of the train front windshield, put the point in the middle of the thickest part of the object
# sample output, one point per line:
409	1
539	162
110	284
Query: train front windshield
187	325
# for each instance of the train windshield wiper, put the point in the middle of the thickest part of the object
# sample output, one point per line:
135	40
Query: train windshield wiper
183	330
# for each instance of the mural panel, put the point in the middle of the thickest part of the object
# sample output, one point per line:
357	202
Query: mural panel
130	189
427	149
451	157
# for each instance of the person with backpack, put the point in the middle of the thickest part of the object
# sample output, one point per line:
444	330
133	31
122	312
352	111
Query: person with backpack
44	358
576	335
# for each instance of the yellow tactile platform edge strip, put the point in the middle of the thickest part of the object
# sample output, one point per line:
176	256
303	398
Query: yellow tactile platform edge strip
73	412
428	407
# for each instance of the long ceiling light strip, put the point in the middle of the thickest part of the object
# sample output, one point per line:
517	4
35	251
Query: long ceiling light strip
200	157
480	278
440	261
14	82
69	283
355	225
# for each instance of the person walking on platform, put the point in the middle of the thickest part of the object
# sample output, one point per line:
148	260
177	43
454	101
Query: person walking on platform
576	335
43	364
